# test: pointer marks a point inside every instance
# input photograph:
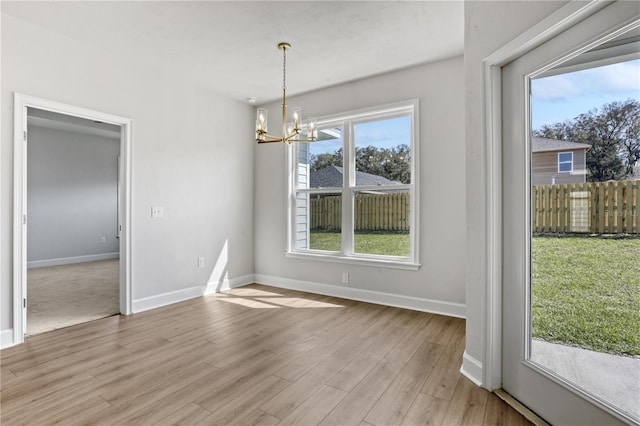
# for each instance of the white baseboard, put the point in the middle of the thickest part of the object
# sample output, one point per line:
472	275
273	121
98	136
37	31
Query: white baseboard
227	284
181	295
471	369
414	303
6	338
70	260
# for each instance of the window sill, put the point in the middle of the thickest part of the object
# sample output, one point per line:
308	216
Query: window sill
335	258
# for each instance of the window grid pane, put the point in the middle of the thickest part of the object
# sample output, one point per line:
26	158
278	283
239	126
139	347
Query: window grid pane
376	219
382	223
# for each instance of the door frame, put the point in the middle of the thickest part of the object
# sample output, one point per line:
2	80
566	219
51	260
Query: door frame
561	20
21	103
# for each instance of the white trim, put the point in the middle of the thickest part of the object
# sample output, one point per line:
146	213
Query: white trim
6	338
556	23
164	299
471	369
228	284
457	310
21	103
382	261
70	260
348	120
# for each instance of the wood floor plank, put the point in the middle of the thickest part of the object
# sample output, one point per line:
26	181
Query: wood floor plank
290	398
307	361
76	412
242	380
391	408
247	401
47	401
468	404
90	357
353	373
353	408
445	377
443	334
226	359
258	418
410	343
196	378
426	411
129	362
316	407
8	379
130	381
190	414
498	413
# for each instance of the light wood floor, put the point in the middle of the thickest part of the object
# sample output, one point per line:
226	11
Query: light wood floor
254	355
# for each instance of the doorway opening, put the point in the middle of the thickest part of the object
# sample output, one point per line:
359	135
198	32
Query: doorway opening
72	213
73	236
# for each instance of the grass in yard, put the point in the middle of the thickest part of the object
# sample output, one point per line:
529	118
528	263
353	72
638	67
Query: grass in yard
389	244
586	292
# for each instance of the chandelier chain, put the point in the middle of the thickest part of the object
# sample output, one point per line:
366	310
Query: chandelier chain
284	69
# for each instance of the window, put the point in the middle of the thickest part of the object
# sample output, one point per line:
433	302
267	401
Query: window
565	162
353	191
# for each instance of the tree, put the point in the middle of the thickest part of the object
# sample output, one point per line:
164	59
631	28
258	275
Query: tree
613	133
628	115
391	163
325	160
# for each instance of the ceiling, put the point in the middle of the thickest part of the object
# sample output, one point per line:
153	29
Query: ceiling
230	47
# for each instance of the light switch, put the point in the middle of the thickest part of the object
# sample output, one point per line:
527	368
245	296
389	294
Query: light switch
157	211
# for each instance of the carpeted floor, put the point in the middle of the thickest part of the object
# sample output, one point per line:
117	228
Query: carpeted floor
60	296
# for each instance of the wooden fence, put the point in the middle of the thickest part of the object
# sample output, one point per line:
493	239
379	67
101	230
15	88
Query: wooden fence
373	212
589	208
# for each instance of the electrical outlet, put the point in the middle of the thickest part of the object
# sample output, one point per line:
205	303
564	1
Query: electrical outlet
201	262
157	211
103	240
345	278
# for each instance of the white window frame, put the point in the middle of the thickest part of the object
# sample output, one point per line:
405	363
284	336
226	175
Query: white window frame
347	121
565	162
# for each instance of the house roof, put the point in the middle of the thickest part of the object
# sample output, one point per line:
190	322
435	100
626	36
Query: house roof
331	177
543	144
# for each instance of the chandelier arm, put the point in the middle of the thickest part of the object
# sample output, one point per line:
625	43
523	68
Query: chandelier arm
269	141
272	137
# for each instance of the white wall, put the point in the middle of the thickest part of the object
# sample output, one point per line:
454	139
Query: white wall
72	202
440	281
488	26
191	151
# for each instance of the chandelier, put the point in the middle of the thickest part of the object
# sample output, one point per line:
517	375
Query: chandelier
290	132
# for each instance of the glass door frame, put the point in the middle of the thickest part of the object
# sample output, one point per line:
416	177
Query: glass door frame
565	18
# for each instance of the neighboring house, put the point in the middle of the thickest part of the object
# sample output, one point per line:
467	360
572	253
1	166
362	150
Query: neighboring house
331	176
556	162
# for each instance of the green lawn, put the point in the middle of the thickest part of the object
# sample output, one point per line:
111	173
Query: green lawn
387	244
586	292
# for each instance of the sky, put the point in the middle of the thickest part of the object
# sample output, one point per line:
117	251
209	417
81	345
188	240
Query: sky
565	96
380	134
554	99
